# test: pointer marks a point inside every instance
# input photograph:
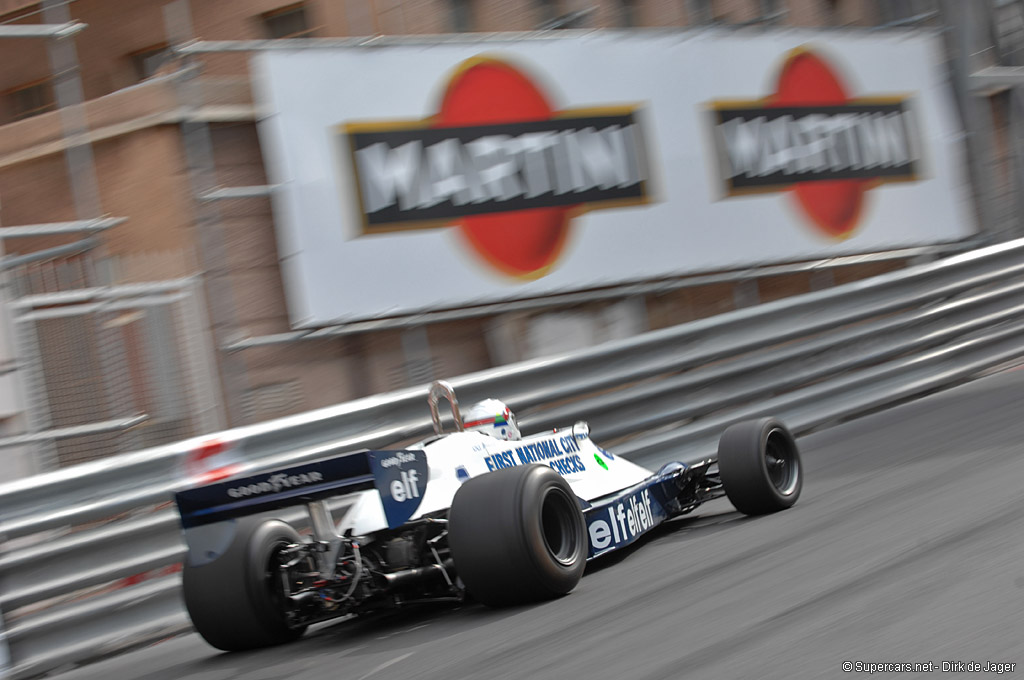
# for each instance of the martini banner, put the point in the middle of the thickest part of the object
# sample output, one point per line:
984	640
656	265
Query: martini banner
428	176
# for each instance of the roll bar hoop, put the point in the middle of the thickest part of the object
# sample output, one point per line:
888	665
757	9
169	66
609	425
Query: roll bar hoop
442	389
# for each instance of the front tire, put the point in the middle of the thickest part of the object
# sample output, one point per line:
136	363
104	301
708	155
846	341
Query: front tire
517	535
760	466
237	601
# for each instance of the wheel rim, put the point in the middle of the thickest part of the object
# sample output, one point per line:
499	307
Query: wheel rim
561	531
275	585
781	462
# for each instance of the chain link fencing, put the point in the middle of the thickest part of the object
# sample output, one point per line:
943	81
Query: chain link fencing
113	369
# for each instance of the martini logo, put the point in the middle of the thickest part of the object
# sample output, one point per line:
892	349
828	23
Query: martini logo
813	138
501	163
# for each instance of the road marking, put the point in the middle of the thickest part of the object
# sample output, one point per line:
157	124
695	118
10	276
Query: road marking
386	664
409	630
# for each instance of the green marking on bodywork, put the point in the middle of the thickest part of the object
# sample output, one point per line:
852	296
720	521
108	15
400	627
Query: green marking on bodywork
600	462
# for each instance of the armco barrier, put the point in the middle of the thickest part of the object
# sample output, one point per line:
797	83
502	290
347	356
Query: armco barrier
74	536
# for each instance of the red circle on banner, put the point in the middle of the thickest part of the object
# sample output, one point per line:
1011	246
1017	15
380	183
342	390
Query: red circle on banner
833	205
523	243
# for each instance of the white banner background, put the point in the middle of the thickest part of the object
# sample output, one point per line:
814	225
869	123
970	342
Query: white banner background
332	273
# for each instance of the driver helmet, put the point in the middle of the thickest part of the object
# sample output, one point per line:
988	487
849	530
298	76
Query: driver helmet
492	417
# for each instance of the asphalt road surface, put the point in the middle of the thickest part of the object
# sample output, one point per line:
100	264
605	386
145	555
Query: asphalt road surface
906	547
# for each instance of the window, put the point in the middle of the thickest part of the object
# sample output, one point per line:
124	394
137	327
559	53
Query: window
148	61
832	13
552	16
32	99
462	16
548	11
893	11
1009	27
628	13
700	11
287	22
771	8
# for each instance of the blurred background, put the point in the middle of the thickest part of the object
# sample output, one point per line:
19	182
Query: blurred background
142	288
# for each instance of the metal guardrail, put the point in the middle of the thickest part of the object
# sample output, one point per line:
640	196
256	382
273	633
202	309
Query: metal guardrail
77	539
616	292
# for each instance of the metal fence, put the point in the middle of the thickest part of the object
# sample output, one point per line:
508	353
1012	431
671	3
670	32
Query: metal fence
89	563
113	369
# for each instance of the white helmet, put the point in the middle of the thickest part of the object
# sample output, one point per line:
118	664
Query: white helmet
492	417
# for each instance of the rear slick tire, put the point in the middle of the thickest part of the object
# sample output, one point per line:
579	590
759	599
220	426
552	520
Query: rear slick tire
235	602
760	466
517	535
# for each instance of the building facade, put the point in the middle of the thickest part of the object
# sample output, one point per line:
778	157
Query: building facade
211	346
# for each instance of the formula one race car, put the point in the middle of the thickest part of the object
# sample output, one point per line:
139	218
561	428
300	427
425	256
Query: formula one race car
477	511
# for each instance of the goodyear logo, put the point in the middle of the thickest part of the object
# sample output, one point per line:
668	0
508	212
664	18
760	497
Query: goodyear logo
275	483
401	478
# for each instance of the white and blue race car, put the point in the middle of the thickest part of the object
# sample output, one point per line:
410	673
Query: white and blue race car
478	511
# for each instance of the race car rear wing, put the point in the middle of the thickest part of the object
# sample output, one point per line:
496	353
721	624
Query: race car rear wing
392	472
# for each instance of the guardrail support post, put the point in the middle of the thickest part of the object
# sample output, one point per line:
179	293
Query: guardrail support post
745	294
5	652
821	279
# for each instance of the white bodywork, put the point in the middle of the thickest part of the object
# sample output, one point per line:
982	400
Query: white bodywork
453	458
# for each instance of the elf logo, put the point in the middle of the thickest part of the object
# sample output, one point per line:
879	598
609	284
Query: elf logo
407	487
812	138
401	478
619	524
501	163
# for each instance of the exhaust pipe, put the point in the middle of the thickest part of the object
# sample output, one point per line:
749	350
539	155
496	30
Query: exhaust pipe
408	577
